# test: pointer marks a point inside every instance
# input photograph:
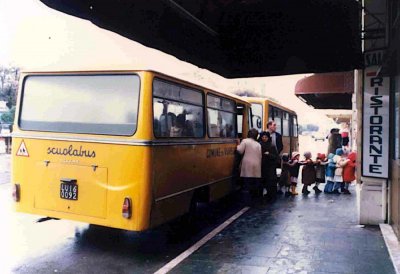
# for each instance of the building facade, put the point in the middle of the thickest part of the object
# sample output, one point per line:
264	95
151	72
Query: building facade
389	72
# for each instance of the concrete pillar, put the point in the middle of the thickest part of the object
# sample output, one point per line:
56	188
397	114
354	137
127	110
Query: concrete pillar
372	201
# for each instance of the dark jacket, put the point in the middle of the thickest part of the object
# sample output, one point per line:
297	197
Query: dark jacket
320	171
308	173
294	168
335	142
284	179
279	142
269	161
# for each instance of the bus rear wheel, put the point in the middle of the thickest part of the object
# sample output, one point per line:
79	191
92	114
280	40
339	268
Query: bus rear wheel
198	206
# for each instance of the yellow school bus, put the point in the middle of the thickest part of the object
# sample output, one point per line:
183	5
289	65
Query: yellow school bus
265	110
122	149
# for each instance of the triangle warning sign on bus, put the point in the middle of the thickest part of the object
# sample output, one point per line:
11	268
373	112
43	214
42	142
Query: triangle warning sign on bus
22	151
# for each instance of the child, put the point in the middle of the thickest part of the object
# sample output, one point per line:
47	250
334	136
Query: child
340	160
329	174
321	161
308	173
294	168
349	171
342	184
344	132
284	180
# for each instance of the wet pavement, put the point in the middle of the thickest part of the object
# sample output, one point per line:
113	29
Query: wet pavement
303	234
63	246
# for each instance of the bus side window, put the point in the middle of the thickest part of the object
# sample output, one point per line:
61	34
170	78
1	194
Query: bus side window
295	132
177	126
179	110
196	122
166	122
156	127
270	113
188	129
213	130
278	119
240	126
221	117
239	119
285	124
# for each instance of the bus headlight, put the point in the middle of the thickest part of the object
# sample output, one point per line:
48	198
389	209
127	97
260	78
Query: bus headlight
16	192
127	208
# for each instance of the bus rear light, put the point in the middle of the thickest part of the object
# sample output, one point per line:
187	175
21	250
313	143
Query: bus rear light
16	192
127	208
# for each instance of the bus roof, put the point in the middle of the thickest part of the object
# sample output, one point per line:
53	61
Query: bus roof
268	101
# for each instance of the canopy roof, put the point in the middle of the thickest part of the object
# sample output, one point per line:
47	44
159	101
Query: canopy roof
235	39
327	90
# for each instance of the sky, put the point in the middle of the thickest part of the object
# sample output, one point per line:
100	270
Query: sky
36	37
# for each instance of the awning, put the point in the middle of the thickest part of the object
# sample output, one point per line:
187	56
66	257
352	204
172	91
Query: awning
327	91
246	38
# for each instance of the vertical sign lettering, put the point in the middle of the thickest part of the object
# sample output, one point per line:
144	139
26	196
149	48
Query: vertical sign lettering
375	155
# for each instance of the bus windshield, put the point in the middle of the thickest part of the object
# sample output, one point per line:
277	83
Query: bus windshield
93	104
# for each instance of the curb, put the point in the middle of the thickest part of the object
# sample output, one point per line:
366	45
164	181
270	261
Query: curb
392	245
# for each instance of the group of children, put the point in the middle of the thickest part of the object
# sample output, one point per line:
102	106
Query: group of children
336	170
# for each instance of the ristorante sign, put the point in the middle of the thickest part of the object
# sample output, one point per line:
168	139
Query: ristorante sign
375	155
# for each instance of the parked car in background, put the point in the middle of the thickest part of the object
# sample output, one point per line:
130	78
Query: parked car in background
319	137
306	133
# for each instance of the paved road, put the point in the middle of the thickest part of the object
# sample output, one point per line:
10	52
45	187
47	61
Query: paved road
303	234
72	247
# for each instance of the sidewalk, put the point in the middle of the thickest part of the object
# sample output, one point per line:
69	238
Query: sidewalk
314	234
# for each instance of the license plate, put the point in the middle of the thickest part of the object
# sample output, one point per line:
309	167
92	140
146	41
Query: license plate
69	191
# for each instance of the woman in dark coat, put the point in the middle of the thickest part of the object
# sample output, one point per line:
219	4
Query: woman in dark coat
268	165
334	140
